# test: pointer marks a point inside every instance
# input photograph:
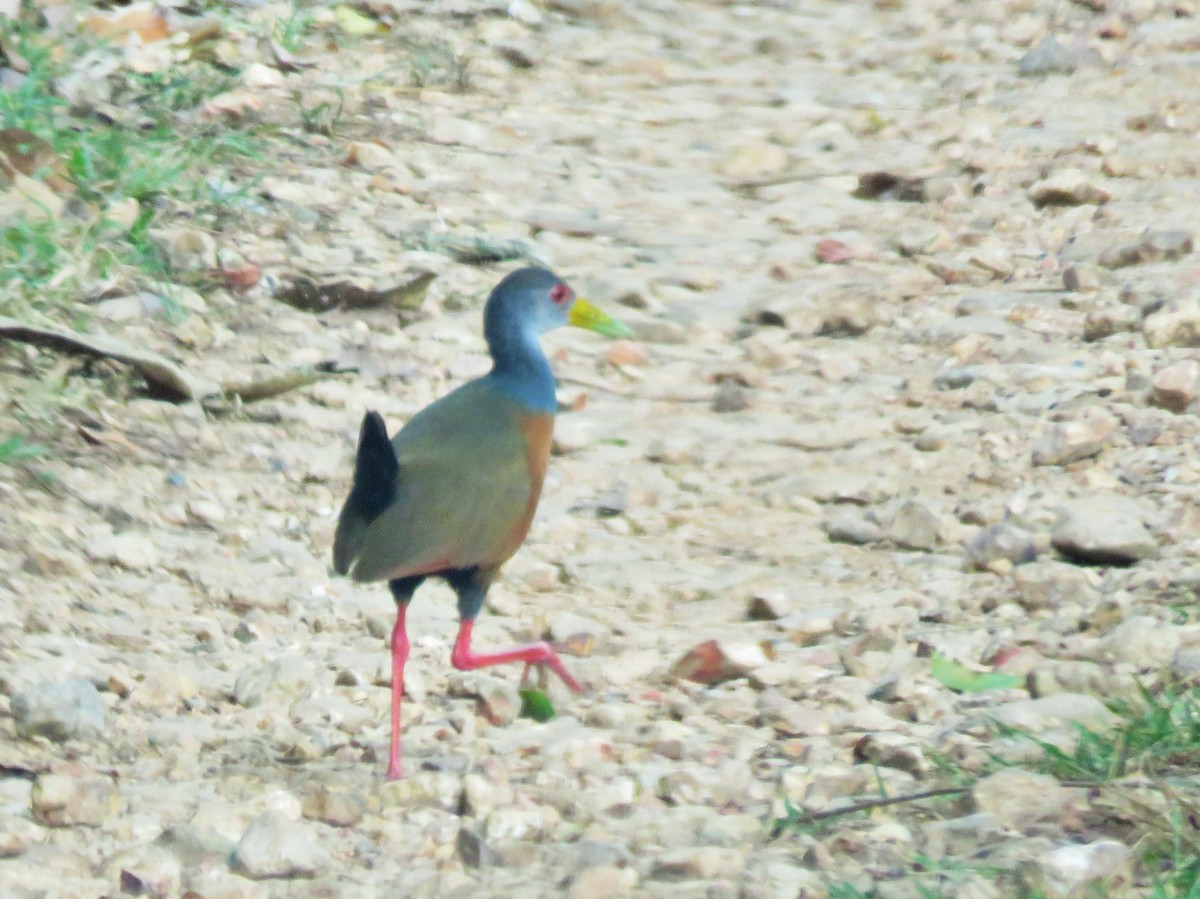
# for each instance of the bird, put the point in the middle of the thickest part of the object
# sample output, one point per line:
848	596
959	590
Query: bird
453	493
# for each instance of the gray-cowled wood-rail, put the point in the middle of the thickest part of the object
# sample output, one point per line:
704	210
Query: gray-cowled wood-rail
452	495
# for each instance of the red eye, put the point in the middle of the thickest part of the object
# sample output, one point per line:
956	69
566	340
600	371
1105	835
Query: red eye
559	294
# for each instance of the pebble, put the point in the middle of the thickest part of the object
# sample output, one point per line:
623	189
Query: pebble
1173	327
1068	187
1103	867
1069	441
1049	712
1018	798
280	681
146	871
714	662
18	833
1000	543
60	800
1046	57
1105	529
913	524
60	711
602	882
1175	387
335	805
698	863
274	846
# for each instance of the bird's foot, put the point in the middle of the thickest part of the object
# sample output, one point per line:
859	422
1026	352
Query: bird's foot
531	654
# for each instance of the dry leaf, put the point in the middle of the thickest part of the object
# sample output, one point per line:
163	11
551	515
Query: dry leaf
287	61
235	104
27	154
168	377
308	296
144	21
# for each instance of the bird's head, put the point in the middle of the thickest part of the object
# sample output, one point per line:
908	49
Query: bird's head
537	300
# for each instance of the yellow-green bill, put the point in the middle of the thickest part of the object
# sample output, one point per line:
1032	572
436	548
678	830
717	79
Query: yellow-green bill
585	315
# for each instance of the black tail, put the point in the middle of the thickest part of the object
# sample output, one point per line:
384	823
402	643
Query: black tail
375	475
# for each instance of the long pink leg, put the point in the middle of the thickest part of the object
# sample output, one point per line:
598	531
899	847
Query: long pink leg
464	659
399	657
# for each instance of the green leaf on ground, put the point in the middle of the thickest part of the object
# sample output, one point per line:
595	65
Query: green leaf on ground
963	680
536	705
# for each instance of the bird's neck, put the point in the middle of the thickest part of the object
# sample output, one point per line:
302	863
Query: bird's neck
521	369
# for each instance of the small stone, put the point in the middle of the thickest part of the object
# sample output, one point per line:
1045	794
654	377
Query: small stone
769	605
59	710
602	882
579	634
755	160
165	689
1141	642
1081	279
1103	868
134	552
1176	386
852	528
1018	798
713	662
1166	245
206	512
848	317
1056	711
698	863
1064	442
146	871
422	789
283	680
275	847
1101	323
731	397
913	525
61	801
335	805
1106	529
1050	584
1068	187
1000	542
17	833
497	699
1046	57
892	751
1179	327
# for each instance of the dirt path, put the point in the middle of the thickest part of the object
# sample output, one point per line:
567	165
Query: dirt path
857	414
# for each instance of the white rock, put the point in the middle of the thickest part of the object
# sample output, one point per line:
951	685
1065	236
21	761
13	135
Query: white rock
274	846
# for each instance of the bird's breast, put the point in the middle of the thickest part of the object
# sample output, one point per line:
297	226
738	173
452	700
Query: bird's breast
538	431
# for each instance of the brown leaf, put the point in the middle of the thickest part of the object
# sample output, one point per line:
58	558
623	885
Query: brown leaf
308	296
27	154
147	23
287	61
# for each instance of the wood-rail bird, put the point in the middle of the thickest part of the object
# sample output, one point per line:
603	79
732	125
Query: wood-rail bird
453	494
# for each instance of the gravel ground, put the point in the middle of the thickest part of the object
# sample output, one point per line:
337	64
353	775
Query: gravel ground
914	376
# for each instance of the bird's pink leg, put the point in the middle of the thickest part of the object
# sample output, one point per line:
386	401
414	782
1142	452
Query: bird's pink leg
399	657
464	659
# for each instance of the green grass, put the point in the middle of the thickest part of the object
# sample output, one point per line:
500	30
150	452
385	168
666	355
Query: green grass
157	155
15	449
1146	776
